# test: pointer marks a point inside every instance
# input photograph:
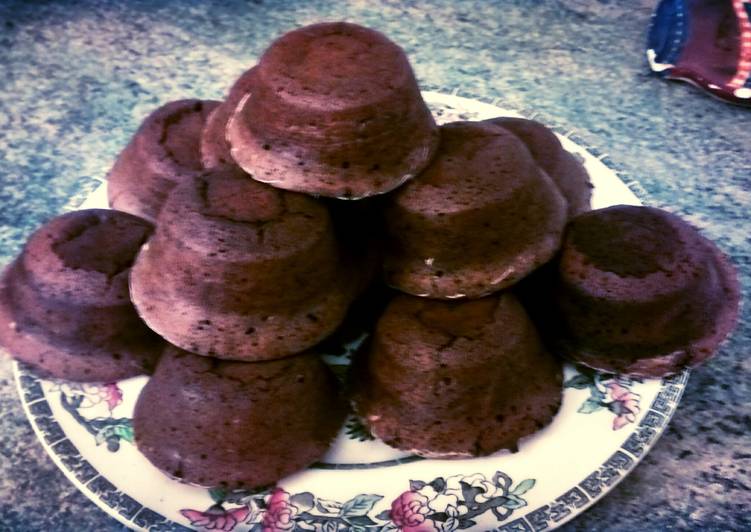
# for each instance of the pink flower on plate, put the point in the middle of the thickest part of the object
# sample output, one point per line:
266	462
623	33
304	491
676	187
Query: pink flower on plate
90	395
625	404
111	394
408	512
216	517
280	513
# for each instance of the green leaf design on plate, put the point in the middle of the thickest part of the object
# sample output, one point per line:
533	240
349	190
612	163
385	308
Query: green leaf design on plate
578	381
359	505
523	487
218	494
330	526
359	520
117	428
589	406
326	506
125	432
514	502
304	501
596	394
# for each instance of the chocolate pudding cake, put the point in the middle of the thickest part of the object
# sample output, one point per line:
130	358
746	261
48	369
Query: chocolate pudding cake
641	292
237	269
215	150
163	152
453	379
335	111
64	305
233	424
564	169
482	216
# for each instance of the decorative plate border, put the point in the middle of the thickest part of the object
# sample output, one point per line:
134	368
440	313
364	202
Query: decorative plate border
402	514
74	466
614	469
556	512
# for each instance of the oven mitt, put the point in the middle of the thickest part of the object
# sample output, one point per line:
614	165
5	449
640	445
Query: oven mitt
706	43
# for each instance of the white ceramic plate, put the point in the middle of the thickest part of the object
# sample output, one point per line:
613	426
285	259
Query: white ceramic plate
605	426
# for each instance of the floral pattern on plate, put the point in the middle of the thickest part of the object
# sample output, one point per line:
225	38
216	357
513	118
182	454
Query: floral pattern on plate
107	429
607	391
441	505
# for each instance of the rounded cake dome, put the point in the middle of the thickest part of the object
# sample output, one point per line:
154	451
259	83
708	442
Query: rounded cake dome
641	292
564	169
238	269
450	378
478	219
215	149
235	424
335	110
64	305
163	152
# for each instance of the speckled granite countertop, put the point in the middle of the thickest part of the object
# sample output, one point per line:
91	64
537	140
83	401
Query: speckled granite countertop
77	77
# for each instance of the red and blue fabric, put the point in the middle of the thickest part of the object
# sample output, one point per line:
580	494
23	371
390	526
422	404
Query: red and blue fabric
706	43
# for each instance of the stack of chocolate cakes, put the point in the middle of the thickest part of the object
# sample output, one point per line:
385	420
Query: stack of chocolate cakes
242	232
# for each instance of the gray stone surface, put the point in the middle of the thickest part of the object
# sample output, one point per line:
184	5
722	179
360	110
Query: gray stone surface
77	77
